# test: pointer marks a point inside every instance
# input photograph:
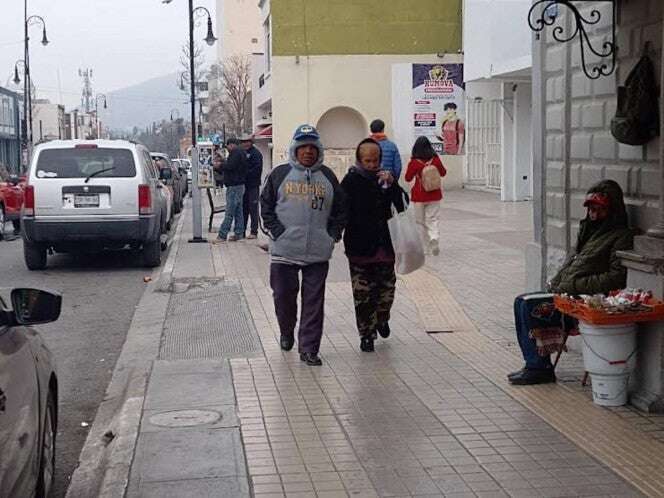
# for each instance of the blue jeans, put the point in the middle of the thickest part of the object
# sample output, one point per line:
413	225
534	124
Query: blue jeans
524	322
234	195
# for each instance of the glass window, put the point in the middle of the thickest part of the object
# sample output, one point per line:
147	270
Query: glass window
80	163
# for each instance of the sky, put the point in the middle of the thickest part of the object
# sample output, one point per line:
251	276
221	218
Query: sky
123	41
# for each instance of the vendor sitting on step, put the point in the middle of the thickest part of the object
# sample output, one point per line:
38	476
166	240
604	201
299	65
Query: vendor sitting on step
594	269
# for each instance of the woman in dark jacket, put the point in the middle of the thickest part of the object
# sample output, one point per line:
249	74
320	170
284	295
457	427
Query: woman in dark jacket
594	268
369	196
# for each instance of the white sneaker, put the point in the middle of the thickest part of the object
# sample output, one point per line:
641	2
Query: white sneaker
232	237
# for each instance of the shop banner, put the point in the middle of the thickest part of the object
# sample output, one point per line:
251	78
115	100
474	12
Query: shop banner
438	106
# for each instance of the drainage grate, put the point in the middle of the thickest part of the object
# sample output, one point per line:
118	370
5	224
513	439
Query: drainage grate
212	321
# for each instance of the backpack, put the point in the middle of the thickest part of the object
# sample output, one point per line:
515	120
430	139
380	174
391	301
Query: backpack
637	117
430	177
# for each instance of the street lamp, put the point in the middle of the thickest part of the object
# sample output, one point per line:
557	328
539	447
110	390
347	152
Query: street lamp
210	40
27	89
17	78
103	98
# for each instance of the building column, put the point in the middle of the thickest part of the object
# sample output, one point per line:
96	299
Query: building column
645	269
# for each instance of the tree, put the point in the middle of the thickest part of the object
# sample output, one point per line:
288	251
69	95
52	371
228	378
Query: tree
199	62
229	104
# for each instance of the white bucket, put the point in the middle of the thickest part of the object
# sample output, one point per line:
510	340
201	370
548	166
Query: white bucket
609	390
609	349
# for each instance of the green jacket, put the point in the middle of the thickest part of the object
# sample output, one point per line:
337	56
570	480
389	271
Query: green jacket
595	267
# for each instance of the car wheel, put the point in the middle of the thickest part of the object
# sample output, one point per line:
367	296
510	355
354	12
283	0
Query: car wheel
17	226
47	463
152	253
35	256
176	207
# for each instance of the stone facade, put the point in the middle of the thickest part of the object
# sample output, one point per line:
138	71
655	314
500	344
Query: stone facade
577	149
573	149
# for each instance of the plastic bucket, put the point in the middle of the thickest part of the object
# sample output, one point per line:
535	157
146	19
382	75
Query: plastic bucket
608	349
609	390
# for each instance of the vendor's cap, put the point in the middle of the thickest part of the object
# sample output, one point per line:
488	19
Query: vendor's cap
597	199
304	132
246	137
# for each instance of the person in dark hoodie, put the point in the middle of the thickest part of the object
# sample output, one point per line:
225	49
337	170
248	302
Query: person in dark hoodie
252	186
303	210
370	197
594	268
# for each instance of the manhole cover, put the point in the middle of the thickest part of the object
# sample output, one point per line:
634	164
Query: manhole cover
185	418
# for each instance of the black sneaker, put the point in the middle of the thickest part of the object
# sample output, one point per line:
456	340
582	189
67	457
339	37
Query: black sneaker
311	359
384	330
516	374
286	342
531	376
367	344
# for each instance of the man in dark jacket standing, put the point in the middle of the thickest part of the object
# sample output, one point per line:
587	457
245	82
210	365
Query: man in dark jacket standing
253	184
302	207
235	176
594	269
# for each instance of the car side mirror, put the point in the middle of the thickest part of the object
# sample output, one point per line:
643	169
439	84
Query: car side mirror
165	173
34	306
14	179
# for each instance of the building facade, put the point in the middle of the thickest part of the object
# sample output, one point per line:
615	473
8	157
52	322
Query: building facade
573	149
339	66
497	70
10	130
238	28
48	121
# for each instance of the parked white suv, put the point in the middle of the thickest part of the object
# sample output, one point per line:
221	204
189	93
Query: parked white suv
92	195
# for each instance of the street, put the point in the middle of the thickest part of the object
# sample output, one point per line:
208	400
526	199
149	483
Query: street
100	293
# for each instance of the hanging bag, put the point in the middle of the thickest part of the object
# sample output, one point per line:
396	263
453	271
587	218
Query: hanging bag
637	116
408	250
430	177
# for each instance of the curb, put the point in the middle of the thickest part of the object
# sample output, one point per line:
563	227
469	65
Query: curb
105	460
166	277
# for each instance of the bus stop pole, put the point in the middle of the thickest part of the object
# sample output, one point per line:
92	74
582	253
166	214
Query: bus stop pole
196	198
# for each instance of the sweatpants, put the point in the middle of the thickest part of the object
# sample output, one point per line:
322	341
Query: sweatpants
285	283
374	285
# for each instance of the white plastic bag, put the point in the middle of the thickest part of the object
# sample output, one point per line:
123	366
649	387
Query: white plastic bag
406	242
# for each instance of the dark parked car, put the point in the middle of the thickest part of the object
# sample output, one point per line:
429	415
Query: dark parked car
28	395
175	182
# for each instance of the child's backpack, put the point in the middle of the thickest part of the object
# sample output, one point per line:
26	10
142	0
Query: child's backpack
430	177
637	117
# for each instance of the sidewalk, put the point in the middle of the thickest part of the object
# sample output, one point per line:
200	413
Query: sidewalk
227	413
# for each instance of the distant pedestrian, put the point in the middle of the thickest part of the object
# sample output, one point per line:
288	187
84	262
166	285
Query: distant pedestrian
427	169
235	176
391	161
302	208
367	241
252	186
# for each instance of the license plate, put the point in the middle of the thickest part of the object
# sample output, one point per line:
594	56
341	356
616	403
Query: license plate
84	201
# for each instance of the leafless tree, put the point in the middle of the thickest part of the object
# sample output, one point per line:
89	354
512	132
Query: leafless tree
229	104
199	62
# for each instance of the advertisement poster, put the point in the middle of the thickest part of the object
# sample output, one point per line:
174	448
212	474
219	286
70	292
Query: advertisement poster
438	106
205	174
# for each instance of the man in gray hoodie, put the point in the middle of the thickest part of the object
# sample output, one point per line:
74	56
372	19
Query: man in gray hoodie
303	210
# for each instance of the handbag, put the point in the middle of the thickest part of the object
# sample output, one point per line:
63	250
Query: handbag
408	250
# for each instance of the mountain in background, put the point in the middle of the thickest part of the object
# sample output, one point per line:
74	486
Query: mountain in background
144	103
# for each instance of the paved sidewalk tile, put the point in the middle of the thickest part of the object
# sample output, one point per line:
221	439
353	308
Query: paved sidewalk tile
412	419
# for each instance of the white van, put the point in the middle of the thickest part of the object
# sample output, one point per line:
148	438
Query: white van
87	195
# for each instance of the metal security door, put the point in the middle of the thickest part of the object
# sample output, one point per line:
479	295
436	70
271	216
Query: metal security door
483	143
